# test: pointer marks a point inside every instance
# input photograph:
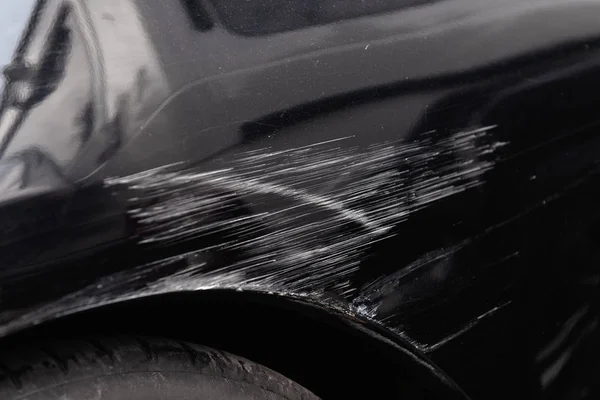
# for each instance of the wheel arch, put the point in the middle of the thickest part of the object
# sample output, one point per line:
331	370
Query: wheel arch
325	349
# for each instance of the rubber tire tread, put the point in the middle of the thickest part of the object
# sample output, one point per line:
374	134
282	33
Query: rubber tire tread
49	370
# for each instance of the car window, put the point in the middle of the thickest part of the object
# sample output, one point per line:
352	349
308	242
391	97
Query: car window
255	18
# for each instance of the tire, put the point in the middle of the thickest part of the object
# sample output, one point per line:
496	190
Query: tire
134	368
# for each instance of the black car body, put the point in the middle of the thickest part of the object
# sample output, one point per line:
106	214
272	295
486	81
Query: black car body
420	174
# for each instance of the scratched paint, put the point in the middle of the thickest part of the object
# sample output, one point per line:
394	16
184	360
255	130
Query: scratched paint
295	222
330	203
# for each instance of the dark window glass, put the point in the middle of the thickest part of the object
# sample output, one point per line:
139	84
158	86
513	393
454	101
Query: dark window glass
261	17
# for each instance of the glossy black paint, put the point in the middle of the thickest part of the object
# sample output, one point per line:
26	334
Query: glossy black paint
430	167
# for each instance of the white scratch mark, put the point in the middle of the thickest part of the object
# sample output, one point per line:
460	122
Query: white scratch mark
466	328
296	222
305	240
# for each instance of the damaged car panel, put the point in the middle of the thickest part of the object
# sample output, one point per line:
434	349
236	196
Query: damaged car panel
426	167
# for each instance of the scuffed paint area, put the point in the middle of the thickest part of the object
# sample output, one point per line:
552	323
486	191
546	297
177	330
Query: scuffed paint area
297	222
309	212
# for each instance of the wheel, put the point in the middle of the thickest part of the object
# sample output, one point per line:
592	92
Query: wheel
134	368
